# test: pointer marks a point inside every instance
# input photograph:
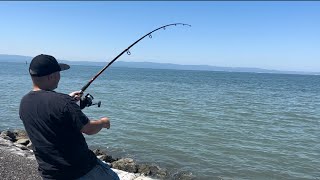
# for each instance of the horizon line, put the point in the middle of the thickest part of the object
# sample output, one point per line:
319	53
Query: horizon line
163	63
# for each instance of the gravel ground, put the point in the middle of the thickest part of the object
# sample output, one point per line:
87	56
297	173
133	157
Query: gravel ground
17	167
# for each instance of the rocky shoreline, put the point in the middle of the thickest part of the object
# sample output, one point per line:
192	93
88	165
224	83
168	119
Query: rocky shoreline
16	153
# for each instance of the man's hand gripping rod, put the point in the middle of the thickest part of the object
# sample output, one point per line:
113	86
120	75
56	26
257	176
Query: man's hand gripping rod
86	101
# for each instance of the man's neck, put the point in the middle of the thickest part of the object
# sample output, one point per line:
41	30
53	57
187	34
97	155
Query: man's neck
37	88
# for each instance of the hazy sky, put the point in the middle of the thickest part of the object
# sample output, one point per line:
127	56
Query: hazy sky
272	35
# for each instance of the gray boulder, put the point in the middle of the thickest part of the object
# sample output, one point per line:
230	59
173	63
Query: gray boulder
155	171
8	135
126	164
24	142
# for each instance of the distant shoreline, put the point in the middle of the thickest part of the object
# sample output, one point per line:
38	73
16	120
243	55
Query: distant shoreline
151	65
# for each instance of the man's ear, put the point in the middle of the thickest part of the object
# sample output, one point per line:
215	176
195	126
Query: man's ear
50	76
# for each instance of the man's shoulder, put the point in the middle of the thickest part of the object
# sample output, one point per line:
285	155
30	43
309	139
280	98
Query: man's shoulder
49	95
60	97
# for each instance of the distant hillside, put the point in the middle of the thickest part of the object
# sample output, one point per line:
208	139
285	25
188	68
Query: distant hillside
23	59
14	58
190	67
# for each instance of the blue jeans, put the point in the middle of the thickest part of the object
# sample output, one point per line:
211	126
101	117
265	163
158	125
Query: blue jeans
100	172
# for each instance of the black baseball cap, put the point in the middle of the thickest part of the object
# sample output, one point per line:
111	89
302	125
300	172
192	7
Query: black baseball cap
43	65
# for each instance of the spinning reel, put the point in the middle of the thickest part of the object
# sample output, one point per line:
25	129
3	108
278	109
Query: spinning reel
86	101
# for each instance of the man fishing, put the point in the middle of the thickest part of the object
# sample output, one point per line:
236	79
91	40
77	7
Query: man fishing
55	123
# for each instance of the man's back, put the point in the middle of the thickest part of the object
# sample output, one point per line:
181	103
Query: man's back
54	122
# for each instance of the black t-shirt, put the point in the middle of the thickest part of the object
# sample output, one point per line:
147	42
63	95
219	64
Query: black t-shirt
53	122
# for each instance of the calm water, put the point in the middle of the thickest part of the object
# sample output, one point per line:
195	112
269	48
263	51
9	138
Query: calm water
213	124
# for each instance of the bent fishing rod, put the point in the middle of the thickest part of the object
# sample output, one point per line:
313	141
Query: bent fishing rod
86	101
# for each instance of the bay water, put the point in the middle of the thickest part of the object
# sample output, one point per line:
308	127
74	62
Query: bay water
211	125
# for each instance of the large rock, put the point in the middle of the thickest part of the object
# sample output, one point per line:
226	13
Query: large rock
8	135
24	142
20	134
183	175
104	156
98	152
153	171
126	164
14	135
107	158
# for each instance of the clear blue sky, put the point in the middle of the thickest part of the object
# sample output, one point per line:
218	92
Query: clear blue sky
271	35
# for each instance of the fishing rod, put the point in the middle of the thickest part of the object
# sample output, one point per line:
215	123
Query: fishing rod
86	101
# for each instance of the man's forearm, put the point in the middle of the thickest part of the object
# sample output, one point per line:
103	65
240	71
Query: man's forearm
92	127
